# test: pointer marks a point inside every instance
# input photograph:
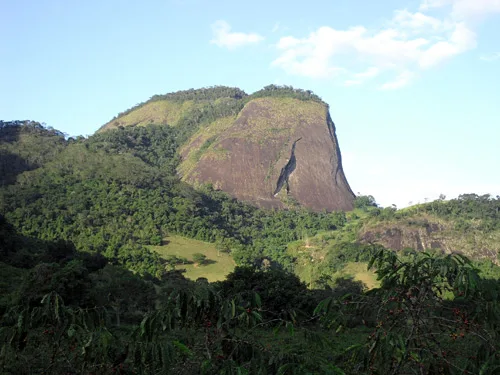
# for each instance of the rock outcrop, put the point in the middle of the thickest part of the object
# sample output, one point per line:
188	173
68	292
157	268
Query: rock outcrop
254	152
253	155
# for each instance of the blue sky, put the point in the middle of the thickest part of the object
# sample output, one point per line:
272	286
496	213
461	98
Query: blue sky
413	86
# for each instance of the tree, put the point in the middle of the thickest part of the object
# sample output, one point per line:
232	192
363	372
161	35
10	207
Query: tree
425	304
223	246
365	201
199	258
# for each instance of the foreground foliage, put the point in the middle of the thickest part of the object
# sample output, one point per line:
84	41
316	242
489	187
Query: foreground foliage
433	314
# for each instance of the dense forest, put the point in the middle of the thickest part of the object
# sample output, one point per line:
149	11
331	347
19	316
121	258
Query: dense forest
76	313
83	292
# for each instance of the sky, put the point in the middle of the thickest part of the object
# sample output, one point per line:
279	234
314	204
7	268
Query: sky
413	85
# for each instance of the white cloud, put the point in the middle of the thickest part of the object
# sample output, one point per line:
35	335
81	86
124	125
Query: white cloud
429	4
311	56
464	9
419	21
491	57
223	37
462	39
409	42
401	80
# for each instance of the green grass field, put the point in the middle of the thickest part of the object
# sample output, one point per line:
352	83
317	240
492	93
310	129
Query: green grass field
360	273
219	264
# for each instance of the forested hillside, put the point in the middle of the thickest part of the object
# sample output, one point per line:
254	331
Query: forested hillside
73	312
117	191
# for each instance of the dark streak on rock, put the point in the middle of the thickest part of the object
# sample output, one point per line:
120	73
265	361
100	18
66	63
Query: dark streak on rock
286	171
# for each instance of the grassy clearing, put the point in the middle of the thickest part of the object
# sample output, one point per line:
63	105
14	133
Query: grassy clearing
157	112
219	264
312	252
359	272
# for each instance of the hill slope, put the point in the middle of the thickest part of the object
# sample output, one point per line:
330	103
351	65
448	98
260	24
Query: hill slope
274	149
117	192
468	225
157	112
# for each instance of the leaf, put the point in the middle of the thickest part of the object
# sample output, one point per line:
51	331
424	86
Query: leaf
106	338
87	344
71	330
143	325
20	323
57	307
182	348
415	356
322	306
277	328
257	316
352	347
258	301
372	347
283	369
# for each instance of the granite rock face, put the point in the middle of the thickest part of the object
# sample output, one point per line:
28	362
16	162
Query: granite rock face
276	151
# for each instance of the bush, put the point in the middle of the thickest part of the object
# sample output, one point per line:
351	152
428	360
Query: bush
199	258
365	201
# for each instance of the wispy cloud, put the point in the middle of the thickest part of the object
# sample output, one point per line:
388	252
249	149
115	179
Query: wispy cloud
464	9
224	37
408	43
461	40
491	57
416	21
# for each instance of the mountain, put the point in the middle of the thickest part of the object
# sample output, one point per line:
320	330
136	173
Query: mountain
122	190
275	148
117	192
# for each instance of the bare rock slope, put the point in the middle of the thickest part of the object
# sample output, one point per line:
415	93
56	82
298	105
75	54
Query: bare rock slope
276	151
